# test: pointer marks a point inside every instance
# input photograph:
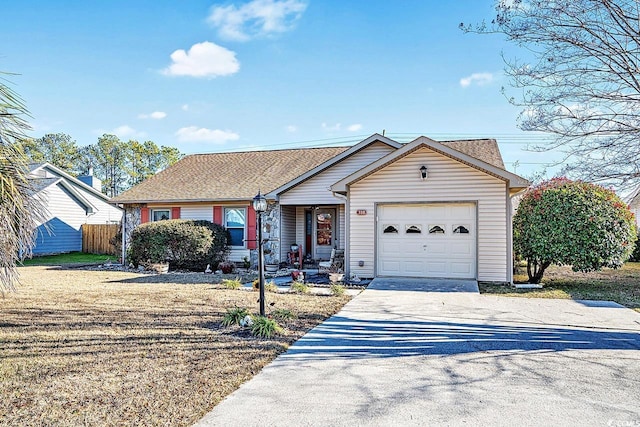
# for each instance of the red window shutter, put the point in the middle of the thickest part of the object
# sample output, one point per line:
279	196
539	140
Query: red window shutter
251	228
175	213
217	215
144	215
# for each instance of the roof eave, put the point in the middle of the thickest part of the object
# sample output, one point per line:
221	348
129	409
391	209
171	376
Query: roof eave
73	179
116	201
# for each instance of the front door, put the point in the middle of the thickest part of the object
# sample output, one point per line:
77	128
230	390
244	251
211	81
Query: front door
325	232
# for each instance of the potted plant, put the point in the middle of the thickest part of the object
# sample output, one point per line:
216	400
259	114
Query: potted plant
271	267
226	267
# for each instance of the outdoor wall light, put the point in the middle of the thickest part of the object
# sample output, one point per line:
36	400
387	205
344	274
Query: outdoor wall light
423	172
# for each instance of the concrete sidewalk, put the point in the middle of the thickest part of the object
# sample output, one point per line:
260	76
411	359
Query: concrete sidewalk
416	353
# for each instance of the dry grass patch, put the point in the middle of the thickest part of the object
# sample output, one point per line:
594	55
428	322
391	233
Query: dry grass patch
118	348
621	286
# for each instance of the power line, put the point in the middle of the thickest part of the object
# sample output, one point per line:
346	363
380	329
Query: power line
402	137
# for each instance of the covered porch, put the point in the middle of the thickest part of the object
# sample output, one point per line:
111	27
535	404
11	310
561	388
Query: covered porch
315	229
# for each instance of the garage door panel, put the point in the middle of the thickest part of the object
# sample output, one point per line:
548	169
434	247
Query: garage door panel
391	268
436	269
461	248
435	211
461	268
437	248
391	247
414	267
451	253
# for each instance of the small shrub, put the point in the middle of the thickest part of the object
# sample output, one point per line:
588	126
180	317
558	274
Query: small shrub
282	314
232	283
299	288
271	287
245	262
264	327
234	316
226	267
268	286
337	290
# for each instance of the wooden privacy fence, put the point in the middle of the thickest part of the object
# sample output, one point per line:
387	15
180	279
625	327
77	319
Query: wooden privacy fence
95	238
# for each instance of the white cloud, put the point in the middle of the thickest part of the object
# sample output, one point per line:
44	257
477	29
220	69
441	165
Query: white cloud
185	107
126	131
196	134
256	18
204	59
156	115
479	79
291	128
331	128
338	127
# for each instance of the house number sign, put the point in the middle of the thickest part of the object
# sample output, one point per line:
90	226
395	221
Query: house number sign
361	212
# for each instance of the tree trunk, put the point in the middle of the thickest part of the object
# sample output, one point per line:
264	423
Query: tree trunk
536	269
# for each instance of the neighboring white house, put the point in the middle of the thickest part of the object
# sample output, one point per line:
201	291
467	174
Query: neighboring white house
422	209
70	202
634	203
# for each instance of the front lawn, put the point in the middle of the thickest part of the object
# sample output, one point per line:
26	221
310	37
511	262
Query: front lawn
70	258
621	286
120	348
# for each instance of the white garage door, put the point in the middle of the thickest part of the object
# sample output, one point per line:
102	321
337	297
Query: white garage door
427	240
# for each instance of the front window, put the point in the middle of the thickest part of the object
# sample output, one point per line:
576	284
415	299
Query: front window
234	222
160	214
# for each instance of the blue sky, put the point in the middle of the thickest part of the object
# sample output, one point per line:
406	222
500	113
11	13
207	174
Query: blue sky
208	76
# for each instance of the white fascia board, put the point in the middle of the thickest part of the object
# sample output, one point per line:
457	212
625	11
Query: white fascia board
74	180
83	200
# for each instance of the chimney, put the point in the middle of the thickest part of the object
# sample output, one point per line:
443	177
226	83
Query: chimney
91	180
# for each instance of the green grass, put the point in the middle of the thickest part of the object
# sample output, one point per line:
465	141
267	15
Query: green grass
621	286
70	258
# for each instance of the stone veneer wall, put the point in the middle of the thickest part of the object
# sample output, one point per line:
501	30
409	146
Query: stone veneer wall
132	220
270	234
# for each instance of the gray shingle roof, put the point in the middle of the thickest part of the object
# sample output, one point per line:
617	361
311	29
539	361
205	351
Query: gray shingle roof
227	176
482	149
239	175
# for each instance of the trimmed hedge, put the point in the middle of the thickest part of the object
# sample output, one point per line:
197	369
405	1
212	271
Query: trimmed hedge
185	244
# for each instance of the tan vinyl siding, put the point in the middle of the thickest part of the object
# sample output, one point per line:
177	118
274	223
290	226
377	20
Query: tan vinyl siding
287	230
448	181
200	212
300	237
316	189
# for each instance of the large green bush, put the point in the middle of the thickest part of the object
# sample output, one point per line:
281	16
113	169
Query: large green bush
185	244
572	223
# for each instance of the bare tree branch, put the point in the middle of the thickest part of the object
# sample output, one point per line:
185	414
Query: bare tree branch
581	83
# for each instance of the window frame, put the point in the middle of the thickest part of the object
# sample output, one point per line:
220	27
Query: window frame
153	212
244	228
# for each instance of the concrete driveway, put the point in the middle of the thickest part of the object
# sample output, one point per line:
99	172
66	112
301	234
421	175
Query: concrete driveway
414	352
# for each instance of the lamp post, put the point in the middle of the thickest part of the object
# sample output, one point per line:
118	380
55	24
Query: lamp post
260	205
